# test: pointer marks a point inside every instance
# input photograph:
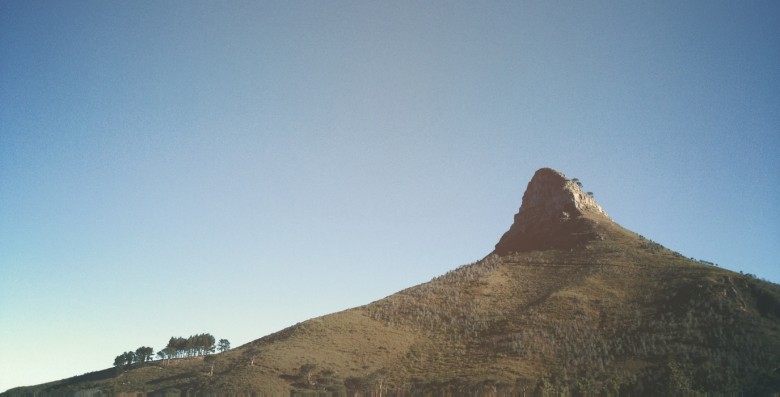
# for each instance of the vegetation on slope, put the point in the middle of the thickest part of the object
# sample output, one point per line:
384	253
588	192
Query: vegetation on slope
618	316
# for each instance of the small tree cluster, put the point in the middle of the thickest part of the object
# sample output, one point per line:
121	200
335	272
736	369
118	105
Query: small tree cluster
577	181
141	355
144	354
178	347
195	345
124	359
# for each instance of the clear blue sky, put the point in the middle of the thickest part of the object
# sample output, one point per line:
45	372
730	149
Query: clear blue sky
176	167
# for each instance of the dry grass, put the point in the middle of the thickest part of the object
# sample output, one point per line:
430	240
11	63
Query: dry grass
619	314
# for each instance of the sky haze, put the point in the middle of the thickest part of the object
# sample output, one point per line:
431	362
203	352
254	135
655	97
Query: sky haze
169	168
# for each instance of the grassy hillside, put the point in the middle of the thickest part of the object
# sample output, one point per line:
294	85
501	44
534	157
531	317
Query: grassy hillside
621	315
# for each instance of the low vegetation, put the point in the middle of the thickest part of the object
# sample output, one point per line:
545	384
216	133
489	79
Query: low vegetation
618	316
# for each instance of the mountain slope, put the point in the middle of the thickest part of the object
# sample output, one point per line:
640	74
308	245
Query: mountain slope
569	302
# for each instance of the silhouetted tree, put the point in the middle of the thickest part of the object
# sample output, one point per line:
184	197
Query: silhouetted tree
177	346
129	358
119	361
195	345
223	345
143	354
208	343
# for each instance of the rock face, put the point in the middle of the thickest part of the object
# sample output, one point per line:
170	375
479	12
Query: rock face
555	213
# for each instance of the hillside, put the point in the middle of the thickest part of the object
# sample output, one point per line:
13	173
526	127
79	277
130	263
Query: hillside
569	303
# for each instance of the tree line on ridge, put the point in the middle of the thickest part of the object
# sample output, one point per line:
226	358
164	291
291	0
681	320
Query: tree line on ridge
177	347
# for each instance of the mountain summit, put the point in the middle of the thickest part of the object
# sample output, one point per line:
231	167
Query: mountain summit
555	213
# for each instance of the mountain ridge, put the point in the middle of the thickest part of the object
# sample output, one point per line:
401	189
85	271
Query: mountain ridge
569	303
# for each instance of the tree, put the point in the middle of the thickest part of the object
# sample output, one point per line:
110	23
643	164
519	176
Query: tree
223	345
195	345
119	361
209	343
166	354
143	354
175	346
129	358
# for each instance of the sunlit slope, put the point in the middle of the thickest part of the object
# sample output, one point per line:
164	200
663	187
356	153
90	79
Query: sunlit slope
570	302
621	313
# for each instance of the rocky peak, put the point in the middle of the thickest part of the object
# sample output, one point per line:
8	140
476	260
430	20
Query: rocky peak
555	213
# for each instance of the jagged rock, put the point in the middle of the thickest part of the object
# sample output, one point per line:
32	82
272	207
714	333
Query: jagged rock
555	213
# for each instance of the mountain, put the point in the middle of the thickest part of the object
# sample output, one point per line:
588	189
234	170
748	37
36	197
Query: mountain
568	303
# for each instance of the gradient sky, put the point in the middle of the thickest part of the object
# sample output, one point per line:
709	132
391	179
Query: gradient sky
177	167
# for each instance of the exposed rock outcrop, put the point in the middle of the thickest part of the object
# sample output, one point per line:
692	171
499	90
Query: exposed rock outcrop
555	213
